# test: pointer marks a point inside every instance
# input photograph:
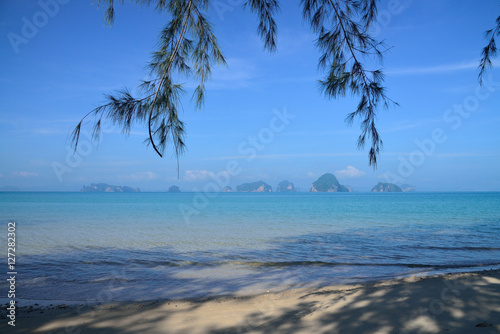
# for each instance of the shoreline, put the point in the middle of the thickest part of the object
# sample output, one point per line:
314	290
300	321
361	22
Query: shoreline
36	304
255	290
451	303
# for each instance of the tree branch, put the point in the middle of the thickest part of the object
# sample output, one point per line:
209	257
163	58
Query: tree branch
167	73
490	50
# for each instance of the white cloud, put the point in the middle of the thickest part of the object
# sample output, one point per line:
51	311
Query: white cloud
25	174
436	69
295	42
349	172
48	131
446	155
39	163
464	155
255	177
288	156
386	177
140	176
399	126
240	73
197	175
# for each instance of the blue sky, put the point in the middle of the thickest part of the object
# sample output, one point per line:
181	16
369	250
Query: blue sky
444	135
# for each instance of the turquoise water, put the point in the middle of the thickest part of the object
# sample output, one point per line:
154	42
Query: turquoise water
140	246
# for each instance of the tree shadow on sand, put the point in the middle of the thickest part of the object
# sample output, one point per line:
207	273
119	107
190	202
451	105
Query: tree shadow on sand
225	300
452	304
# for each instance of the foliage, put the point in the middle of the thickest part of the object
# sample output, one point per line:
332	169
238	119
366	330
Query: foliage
490	50
188	47
343	40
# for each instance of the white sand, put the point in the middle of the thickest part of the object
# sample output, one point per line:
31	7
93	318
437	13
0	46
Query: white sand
442	304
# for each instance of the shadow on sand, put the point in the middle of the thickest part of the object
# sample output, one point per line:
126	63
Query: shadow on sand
461	303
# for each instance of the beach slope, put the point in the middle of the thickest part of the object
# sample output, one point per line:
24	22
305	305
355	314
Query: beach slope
453	303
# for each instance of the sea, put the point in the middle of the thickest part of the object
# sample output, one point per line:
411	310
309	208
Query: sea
103	247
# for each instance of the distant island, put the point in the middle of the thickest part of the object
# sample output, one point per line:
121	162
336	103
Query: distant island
408	188
106	188
328	183
325	183
285	187
174	189
227	189
386	188
254	187
9	188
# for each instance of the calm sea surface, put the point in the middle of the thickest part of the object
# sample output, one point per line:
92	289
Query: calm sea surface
144	246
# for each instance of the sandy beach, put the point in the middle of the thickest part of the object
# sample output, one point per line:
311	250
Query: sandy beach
452	303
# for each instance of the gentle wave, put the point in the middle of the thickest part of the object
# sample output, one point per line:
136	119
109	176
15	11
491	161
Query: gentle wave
372	264
468	248
80	243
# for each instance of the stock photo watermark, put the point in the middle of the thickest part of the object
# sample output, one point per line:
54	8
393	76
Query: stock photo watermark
448	296
248	150
31	25
11	273
454	118
223	6
91	308
384	16
73	159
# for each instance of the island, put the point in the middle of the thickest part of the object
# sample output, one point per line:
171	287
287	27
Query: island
106	188
254	187
9	188
174	189
386	188
227	189
328	183
285	187
408	188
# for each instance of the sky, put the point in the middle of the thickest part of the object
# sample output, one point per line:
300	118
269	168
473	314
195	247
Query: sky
264	117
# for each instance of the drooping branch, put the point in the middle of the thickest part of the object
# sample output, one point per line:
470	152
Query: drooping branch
344	42
267	28
167	74
189	48
186	42
489	51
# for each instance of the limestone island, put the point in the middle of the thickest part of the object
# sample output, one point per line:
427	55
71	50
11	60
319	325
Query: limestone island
227	189
254	187
408	188
386	188
285	187
9	188
106	188
328	183
174	189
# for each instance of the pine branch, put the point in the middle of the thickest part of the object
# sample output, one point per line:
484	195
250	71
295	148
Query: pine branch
344	43
188	47
489	51
267	28
186	39
167	73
